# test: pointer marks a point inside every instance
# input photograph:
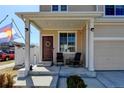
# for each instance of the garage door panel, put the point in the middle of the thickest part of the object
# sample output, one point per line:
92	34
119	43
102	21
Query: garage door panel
109	55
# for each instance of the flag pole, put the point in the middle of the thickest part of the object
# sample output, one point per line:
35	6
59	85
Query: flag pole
4	19
18	29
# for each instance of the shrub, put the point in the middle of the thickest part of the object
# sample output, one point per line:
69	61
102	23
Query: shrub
2	80
6	81
10	81
75	82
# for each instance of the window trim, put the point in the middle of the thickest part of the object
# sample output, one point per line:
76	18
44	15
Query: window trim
75	40
59	10
111	15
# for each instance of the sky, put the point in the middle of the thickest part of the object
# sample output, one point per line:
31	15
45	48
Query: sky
10	10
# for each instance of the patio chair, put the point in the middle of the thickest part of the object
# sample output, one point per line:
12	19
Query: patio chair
76	60
60	58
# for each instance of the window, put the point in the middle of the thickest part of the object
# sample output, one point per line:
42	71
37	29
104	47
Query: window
59	8
114	10
119	9
109	9
67	42
63	7
55	8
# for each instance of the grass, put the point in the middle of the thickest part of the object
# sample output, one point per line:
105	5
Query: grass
9	70
6	62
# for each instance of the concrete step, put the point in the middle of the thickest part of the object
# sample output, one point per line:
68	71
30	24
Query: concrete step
45	64
40	73
52	70
67	71
37	81
83	74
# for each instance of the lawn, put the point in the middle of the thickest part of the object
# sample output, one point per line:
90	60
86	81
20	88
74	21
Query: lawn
6	62
9	70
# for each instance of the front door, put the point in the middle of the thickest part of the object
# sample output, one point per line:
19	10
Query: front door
47	48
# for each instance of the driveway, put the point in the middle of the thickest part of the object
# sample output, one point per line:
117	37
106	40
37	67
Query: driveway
111	79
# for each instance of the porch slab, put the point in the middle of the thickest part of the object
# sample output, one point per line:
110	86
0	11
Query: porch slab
37	81
52	70
67	71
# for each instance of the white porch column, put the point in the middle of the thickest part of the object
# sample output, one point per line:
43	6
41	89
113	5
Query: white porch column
40	51
91	45
87	43
27	45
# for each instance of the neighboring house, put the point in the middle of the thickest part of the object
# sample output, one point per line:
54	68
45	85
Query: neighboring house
96	31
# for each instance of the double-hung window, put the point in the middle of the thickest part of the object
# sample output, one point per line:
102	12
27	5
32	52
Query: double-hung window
56	8
114	10
67	42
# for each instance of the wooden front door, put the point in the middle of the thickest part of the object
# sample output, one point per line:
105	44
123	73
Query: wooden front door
47	48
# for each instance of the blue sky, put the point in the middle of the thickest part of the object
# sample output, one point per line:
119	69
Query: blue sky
10	10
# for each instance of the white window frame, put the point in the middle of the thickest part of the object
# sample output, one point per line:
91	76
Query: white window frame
59	9
114	13
67	39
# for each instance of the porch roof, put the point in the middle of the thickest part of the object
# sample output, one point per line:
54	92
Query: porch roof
58	20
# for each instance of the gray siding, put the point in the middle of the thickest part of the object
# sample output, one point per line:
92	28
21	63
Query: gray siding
81	8
71	8
109	31
45	8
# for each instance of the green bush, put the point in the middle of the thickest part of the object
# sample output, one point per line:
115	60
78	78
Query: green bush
75	82
6	81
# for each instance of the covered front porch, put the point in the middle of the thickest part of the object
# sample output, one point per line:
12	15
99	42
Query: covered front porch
55	24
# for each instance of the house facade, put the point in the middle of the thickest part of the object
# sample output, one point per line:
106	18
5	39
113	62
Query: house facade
97	31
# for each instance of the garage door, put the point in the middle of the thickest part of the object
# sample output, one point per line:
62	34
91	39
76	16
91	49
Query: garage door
109	55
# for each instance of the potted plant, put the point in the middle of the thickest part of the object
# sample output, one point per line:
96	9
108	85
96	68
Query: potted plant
75	81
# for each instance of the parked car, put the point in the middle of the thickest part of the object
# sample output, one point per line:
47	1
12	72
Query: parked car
3	56
11	54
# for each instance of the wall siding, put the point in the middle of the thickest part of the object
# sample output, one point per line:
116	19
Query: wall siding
109	31
82	8
71	8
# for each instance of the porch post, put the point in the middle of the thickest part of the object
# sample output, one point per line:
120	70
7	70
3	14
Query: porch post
87	43
27	45
40	52
91	45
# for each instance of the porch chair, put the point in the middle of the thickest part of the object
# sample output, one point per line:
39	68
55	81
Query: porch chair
60	58
76	60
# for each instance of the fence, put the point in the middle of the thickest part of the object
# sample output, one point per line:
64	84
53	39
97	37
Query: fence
20	55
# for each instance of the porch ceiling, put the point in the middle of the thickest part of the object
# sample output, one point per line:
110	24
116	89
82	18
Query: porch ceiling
58	21
59	24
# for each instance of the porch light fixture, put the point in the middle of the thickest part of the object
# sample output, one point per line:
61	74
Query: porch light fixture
92	29
26	29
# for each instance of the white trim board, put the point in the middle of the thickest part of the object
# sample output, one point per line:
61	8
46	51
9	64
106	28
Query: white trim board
108	38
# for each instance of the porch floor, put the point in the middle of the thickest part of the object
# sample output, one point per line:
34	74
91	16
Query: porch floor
62	71
50	76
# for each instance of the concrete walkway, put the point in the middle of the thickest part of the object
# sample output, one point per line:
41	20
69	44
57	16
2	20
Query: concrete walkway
7	65
111	79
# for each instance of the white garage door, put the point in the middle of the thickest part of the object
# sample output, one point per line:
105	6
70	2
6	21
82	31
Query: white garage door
109	55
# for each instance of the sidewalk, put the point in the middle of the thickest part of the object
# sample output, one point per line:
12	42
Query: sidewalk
7	65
